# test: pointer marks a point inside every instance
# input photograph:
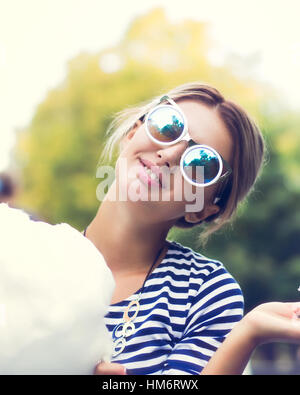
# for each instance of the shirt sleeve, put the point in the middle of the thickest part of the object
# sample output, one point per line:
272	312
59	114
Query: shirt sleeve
213	312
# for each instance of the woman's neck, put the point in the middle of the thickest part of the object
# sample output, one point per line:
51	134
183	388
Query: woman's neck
127	243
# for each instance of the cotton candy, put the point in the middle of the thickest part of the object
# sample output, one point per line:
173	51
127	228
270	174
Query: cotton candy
55	288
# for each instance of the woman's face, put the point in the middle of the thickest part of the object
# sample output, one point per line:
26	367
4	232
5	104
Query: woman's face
168	200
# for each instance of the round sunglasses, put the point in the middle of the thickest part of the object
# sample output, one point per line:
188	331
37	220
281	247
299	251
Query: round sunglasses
200	164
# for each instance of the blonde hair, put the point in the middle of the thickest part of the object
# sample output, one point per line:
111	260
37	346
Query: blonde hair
248	147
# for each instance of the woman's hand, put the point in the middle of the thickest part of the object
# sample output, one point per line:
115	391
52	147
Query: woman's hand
266	323
274	321
107	368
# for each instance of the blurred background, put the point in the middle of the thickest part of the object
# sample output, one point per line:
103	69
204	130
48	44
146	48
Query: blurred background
67	66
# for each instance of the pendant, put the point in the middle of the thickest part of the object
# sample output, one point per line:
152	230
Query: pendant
126	317
126	328
119	346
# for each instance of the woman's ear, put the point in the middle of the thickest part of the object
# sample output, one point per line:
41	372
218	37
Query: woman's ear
128	136
197	217
132	131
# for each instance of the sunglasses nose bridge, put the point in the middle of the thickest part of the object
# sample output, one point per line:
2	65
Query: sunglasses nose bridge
186	137
172	154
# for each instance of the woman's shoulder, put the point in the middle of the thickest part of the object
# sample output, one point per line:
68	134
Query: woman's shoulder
186	254
199	266
210	283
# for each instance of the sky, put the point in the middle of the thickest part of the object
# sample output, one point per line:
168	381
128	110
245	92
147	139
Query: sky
38	37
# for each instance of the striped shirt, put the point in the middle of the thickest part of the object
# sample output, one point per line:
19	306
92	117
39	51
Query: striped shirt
188	306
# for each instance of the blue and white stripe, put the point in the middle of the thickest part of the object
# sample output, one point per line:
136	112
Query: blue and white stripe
188	306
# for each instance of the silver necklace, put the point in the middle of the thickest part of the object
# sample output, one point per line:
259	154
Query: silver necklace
127	327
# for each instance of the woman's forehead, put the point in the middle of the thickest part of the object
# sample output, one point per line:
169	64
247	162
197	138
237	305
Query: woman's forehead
205	126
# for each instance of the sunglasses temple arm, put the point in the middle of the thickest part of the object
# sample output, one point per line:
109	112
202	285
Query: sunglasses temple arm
220	189
222	185
171	101
227	167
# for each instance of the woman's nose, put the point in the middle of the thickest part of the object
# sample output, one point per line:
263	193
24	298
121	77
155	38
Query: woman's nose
170	155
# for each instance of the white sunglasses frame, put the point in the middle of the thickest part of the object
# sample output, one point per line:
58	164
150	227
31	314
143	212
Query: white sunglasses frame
185	136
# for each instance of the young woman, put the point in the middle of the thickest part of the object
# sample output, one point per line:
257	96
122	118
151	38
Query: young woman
185	159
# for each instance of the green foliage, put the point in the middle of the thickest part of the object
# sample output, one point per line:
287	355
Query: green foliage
58	153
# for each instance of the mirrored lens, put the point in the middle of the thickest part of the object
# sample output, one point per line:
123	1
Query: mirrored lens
201	165
165	124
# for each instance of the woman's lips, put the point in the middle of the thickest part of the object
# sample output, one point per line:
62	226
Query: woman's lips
146	177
